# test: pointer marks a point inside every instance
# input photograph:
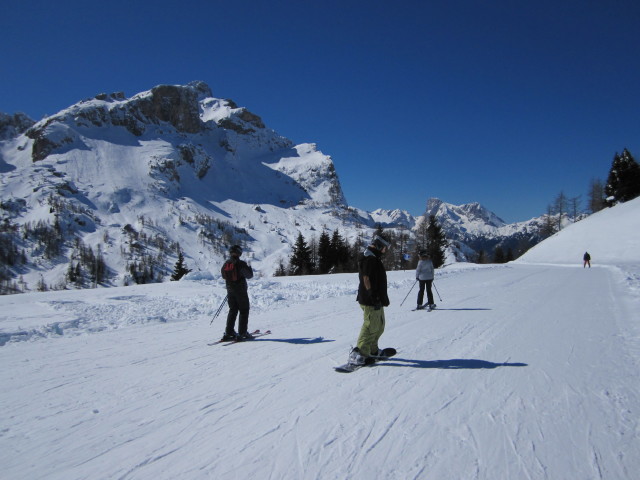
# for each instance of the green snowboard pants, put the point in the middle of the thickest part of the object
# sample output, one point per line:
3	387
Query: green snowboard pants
371	330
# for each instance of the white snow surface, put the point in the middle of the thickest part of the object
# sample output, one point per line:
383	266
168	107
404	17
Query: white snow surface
610	236
525	371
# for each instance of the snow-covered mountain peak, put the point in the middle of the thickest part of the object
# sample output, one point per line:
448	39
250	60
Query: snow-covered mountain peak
186	126
202	170
474	229
393	217
473	213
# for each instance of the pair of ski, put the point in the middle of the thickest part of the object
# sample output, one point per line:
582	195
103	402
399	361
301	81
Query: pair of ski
387	353
425	307
254	334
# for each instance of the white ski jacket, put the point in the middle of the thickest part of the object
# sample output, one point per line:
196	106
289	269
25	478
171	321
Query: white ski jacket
424	270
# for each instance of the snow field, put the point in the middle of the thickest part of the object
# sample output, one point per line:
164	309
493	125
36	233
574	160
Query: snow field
524	371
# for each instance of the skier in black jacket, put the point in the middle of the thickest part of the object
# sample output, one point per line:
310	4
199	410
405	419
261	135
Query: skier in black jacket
236	272
372	297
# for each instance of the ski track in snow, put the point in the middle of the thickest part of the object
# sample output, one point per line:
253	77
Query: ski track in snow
523	372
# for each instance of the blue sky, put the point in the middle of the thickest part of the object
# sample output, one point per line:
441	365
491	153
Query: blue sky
506	103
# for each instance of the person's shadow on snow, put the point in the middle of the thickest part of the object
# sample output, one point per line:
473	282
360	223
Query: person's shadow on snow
453	364
295	341
460	309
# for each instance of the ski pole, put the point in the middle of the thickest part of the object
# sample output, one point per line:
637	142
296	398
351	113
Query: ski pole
219	309
434	286
409	291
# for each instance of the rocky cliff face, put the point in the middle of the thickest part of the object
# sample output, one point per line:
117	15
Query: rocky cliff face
13	125
175	105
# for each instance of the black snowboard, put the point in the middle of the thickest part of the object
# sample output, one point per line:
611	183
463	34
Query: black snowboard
352	367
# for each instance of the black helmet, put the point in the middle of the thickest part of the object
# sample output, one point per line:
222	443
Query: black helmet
379	242
423	253
236	249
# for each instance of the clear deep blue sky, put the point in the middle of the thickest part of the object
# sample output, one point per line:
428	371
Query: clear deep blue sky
506	103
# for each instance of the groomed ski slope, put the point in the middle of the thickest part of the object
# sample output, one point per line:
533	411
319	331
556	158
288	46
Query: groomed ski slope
524	372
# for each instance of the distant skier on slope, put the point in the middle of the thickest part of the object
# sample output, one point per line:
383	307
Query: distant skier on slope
236	272
372	297
587	260
425	275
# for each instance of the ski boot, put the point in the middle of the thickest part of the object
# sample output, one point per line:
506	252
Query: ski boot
245	336
356	358
229	337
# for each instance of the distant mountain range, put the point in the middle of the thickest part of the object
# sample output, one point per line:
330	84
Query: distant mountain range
126	183
472	229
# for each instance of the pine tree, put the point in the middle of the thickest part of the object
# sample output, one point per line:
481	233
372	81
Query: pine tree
180	269
403	241
437	242
510	256
71	275
313	254
623	183
99	268
325	260
300	262
280	271
340	251
41	285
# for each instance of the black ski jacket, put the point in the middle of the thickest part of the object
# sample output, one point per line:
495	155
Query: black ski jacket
235	273
371	266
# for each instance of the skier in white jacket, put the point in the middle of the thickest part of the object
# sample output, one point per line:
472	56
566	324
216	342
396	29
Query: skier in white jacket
425	275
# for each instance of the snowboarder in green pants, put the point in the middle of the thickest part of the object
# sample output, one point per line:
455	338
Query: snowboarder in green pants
372	297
